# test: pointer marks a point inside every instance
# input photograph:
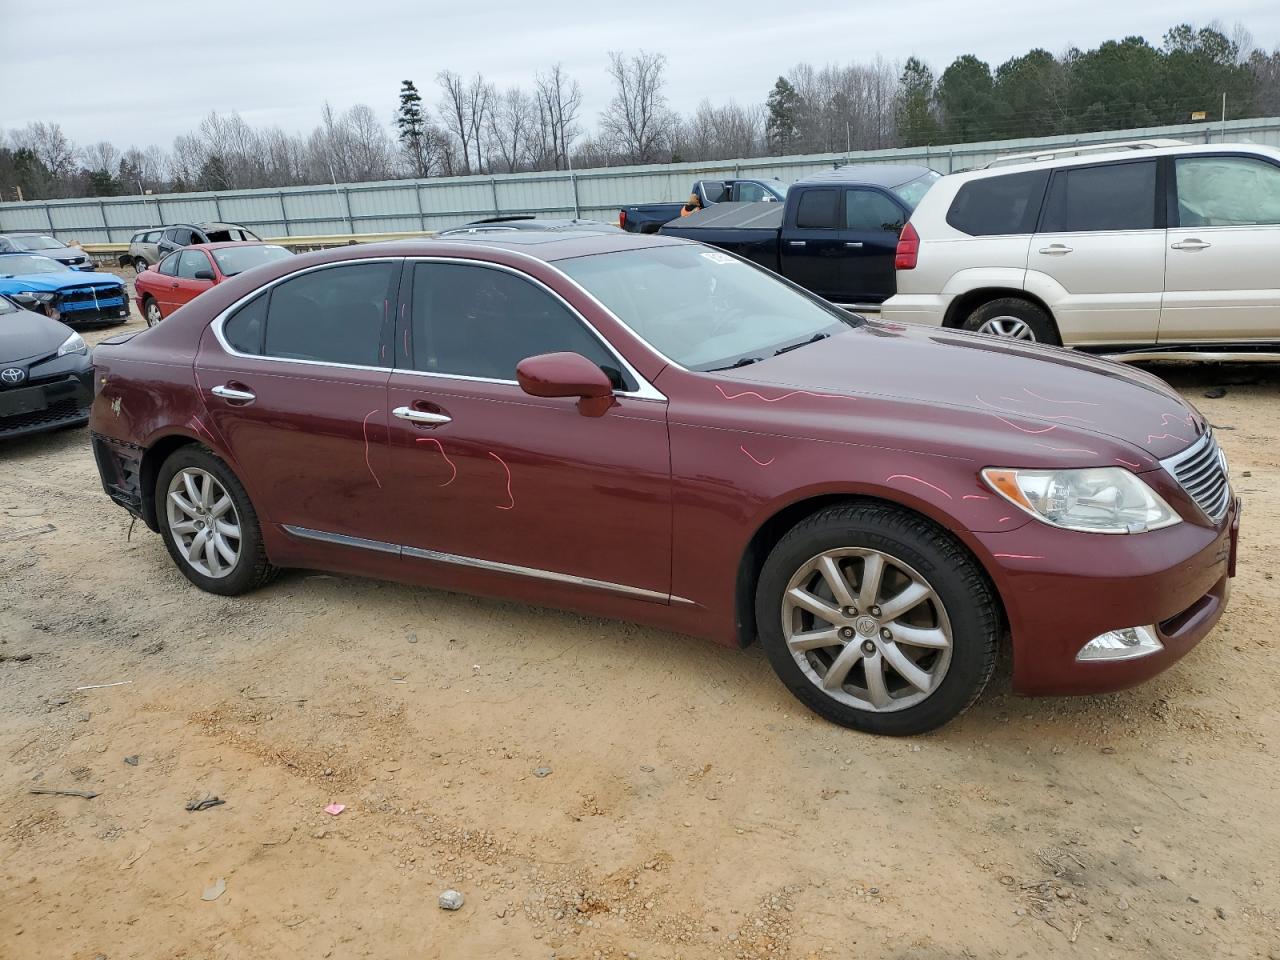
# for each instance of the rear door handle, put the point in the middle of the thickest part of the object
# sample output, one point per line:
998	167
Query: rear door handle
795	243
1056	250
853	245
1192	243
231	393
420	416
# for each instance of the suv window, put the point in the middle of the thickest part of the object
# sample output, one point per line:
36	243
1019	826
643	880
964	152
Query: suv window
334	315
817	209
870	211
999	206
1115	196
153	236
169	265
179	235
478	321
189	261
1227	191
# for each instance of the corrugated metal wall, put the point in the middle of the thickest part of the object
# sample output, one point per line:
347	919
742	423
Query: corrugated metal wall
409	205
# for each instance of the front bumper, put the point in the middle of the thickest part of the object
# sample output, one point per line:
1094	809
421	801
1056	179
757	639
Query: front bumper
50	404
923	308
1062	589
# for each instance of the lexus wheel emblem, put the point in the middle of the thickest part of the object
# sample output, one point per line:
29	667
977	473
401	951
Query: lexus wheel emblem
13	375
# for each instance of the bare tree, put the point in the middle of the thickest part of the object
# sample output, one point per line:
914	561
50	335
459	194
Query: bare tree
465	109
512	123
368	144
101	156
51	146
559	99
638	119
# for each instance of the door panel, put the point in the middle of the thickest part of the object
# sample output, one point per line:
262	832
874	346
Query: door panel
1224	244
532	482
812	249
872	223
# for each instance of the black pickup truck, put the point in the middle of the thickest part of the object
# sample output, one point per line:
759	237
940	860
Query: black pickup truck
648	217
836	233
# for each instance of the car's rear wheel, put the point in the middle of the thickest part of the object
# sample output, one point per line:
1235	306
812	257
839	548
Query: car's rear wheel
1014	319
139	265
151	311
209	525
877	620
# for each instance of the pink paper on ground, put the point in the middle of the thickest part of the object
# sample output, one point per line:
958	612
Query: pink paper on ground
334	809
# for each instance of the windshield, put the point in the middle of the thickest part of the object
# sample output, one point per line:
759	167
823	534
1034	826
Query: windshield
6	306
21	263
913	191
233	260
701	307
37	243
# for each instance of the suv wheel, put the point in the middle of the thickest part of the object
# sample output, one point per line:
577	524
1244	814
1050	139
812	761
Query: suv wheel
877	620
139	265
1014	318
208	524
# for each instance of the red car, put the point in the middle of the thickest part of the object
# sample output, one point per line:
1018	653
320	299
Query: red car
645	428
185	274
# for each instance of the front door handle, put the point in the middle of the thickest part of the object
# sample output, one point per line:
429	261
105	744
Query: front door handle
1191	243
795	243
853	245
1056	250
231	393
420	416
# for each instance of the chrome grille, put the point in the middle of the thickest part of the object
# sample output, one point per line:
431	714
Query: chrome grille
1201	470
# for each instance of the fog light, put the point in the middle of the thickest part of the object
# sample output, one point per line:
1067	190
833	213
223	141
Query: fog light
1127	643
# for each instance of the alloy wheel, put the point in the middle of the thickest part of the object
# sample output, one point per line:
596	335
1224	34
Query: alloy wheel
203	521
866	629
1007	326
153	313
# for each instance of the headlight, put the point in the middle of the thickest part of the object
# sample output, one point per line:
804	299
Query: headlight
32	297
73	344
1093	500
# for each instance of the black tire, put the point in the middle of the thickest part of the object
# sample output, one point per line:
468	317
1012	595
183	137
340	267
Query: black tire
252	569
1037	321
956	579
147	303
139	265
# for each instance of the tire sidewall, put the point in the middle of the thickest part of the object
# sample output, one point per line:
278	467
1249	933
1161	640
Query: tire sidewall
244	577
147	303
1041	324
971	654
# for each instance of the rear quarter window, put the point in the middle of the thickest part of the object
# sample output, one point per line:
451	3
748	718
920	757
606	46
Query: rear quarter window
999	206
1115	196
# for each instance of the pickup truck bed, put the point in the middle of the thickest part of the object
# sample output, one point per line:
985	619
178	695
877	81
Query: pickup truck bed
751	230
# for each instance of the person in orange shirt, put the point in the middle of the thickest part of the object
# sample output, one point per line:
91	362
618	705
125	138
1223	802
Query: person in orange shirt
693	206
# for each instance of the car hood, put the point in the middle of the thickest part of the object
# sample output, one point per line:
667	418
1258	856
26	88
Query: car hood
51	282
943	391
27	335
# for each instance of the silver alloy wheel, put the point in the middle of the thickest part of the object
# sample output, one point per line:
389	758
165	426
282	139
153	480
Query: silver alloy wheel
203	522
153	313
1007	326
866	629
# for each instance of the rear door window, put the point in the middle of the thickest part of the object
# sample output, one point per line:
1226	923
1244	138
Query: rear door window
817	210
336	315
1116	196
999	206
870	211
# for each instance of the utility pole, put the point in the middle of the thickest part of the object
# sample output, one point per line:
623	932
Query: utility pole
1224	115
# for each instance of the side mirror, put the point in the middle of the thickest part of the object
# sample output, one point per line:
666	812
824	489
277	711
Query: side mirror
567	375
203	275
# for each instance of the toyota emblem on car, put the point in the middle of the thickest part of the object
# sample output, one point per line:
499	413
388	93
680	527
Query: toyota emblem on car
12	375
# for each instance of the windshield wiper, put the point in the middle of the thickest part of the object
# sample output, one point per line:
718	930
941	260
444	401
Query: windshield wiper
741	362
796	346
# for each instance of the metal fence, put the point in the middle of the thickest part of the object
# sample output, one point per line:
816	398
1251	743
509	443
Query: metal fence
436	203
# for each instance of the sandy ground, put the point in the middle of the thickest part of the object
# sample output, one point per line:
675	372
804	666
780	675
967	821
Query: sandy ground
692	808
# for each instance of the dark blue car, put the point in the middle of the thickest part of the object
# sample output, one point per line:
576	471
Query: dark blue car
46	286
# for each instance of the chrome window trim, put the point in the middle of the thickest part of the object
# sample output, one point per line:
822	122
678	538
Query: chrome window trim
646	390
491	566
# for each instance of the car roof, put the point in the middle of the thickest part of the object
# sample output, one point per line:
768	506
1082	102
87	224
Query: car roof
29	233
544	245
871	174
224	244
1111	156
215	225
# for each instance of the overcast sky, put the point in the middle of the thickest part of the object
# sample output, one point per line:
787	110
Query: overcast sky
137	72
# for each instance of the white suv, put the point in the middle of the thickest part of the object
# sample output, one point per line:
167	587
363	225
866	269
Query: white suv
1151	249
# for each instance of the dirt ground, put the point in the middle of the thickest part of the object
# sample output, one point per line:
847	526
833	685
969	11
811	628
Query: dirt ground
691	808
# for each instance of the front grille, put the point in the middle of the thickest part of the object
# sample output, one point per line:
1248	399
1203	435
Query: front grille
63	411
1201	469
75	299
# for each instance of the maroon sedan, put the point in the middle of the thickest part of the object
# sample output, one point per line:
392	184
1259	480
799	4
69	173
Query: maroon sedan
645	428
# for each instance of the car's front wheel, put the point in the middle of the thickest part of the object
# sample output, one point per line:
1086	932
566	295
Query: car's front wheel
151	311
876	619
209	525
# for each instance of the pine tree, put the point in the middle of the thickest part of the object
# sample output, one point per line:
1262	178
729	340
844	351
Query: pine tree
412	126
782	128
917	124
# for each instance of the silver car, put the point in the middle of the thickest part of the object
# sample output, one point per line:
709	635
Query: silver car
73	258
